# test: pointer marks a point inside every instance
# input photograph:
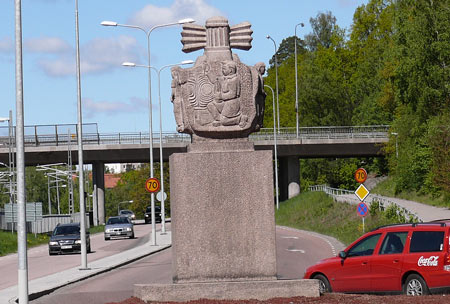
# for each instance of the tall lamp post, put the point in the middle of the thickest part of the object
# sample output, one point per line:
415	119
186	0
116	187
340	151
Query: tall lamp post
80	148
275	148
276	81
161	162
20	152
396	143
147	33
296	81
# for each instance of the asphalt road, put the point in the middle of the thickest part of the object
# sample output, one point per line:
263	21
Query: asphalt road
296	250
41	264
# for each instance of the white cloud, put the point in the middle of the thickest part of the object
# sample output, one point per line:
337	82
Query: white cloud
152	15
92	108
6	45
97	56
47	45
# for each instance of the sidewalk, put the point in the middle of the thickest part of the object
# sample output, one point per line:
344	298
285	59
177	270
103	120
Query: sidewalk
41	286
424	212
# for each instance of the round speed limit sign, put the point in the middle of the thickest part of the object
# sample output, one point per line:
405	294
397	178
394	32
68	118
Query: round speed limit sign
361	175
152	185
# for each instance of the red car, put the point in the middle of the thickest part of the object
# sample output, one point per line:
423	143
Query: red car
409	258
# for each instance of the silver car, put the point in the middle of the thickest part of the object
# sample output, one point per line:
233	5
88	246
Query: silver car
119	226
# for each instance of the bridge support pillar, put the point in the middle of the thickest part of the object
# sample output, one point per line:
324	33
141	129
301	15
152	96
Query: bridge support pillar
289	180
98	177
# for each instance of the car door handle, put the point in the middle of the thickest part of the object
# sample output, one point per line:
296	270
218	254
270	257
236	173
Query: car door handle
395	261
364	262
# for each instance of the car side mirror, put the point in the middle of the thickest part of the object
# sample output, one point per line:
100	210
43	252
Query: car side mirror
49	233
343	254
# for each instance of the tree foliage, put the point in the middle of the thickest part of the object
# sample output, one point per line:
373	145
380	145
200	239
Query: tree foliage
392	68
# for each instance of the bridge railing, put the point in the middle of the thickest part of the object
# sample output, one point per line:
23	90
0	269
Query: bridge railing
59	135
382	202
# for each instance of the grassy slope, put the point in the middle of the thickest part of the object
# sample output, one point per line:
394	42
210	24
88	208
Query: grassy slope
316	211
387	188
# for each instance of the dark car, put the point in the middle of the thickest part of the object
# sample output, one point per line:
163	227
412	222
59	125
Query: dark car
119	226
148	214
66	238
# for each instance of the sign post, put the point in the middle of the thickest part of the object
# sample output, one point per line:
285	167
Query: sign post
362	211
152	185
361	192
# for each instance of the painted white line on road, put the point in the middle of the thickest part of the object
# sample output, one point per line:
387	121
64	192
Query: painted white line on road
296	250
290	237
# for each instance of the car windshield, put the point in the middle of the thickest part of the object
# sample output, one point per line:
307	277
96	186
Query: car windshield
117	220
126	212
157	209
62	230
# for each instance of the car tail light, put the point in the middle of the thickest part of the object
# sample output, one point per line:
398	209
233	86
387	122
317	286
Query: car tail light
447	261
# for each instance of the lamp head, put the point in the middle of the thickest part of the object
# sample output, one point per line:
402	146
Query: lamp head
129	64
109	23
187	62
302	24
186	20
268	37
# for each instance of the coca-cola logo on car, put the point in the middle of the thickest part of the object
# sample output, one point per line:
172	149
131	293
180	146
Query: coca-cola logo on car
431	261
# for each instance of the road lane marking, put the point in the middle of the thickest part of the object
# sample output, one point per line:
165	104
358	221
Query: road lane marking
296	250
290	237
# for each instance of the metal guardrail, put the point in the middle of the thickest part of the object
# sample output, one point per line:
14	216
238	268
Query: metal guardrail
59	138
381	200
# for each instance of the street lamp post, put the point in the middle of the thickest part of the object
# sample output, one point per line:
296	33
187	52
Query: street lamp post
10	158
147	33
275	147
83	239
276	81
20	152
296	81
161	162
124	202
396	143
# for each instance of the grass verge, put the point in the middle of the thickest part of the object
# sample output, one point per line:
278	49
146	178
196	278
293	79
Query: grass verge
316	211
387	188
8	240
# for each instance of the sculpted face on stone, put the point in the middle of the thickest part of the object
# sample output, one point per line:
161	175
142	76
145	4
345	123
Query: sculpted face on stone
219	97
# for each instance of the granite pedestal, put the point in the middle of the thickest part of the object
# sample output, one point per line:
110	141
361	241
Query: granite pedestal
223	227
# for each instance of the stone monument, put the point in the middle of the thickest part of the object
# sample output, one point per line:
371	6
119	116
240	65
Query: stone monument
222	200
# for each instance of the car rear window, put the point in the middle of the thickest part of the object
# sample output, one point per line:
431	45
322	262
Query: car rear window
427	241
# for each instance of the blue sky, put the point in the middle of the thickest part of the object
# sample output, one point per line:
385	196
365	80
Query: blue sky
113	96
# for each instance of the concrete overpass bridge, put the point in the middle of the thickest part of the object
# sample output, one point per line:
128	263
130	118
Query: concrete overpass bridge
53	144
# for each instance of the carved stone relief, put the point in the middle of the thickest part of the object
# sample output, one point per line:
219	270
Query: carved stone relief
219	97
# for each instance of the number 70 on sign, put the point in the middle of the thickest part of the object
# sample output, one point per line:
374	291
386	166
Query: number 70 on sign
152	185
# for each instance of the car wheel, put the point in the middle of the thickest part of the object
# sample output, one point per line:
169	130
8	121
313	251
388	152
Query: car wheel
51	253
415	286
106	238
324	284
132	236
89	249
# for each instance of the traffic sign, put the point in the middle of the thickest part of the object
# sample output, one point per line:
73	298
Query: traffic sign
159	196
152	185
362	192
362	209
361	175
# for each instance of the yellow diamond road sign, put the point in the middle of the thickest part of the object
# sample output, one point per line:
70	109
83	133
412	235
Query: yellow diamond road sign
362	192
